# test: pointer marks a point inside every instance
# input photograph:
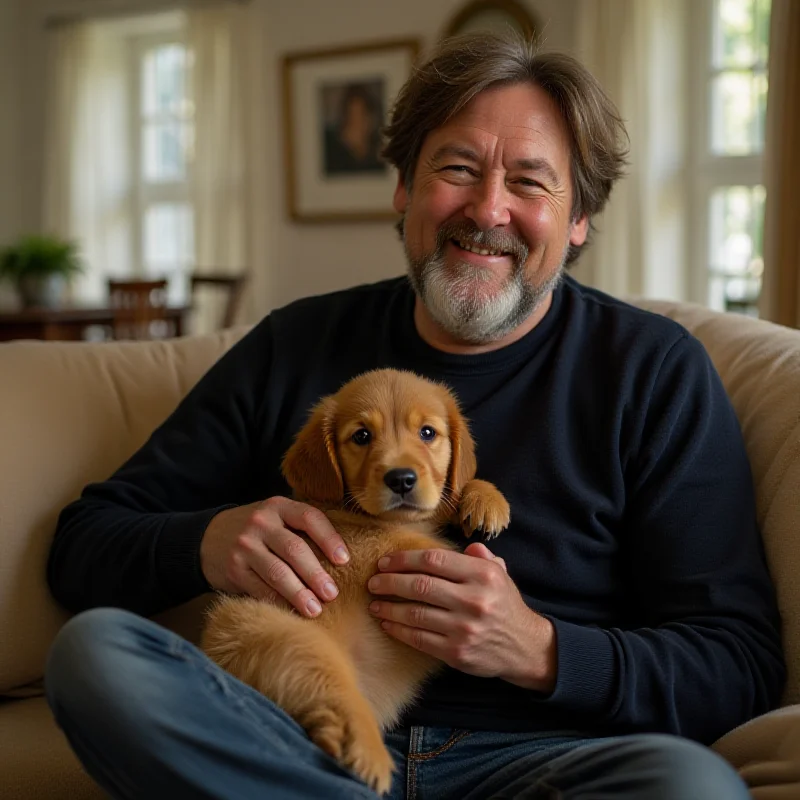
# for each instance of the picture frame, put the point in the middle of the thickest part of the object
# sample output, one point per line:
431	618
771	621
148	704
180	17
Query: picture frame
493	15
335	103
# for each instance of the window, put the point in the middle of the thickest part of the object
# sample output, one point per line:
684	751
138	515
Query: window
162	153
728	142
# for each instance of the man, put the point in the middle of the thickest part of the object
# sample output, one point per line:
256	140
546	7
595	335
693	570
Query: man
636	617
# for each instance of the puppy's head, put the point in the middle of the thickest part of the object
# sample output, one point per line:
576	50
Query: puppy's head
388	443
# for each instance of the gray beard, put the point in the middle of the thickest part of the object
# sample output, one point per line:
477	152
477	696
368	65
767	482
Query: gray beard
453	302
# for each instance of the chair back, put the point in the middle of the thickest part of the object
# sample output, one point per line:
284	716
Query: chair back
139	309
232	286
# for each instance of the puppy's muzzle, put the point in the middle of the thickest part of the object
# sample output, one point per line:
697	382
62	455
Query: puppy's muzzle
401	481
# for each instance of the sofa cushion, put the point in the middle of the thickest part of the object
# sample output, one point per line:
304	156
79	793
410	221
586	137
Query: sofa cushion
766	752
35	758
759	363
71	413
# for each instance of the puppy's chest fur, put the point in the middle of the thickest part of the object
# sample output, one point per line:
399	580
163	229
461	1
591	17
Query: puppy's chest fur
389	672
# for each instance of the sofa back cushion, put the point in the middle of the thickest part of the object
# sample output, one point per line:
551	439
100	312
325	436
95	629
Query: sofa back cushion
759	363
71	413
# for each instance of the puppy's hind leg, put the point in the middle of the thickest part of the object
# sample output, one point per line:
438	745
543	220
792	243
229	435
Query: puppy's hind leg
301	667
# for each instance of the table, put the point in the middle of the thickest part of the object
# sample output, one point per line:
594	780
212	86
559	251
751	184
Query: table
67	323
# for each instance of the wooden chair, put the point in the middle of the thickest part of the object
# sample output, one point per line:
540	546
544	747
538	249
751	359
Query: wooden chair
231	285
139	309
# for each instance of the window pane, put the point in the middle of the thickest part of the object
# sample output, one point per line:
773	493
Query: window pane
736	247
164	80
168	238
738	101
762	11
167	150
734	40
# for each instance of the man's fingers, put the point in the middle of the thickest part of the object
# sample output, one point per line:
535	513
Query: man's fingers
425	641
253	586
418	587
295	552
480	550
458	567
277	574
312	521
414	615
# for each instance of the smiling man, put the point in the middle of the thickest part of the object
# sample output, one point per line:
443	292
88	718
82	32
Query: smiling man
624	621
488	227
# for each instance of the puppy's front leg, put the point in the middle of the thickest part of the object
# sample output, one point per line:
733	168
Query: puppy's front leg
302	668
483	508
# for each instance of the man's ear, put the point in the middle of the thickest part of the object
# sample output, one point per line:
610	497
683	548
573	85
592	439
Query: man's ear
579	231
400	201
311	466
462	451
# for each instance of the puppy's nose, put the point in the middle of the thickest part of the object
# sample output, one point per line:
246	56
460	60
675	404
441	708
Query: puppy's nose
400	480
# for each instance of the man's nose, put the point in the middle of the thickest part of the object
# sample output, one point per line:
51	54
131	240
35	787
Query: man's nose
489	205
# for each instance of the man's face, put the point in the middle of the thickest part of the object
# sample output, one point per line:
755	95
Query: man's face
487	221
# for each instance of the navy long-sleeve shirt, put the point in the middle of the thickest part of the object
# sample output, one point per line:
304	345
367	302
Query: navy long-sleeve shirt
607	428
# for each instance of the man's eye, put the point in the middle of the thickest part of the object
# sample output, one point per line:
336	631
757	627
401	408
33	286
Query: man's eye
361	437
427	433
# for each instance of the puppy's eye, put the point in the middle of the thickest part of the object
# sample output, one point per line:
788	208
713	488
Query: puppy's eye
427	434
361	437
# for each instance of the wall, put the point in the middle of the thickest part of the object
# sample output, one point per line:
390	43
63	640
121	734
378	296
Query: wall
290	260
12	177
315	258
9	117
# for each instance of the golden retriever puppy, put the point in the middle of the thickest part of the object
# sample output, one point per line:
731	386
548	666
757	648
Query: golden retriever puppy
389	459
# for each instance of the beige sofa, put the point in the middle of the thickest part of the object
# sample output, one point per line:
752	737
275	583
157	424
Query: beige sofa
70	413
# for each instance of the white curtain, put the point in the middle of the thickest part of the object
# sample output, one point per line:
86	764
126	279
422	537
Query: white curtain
218	38
637	51
89	190
87	183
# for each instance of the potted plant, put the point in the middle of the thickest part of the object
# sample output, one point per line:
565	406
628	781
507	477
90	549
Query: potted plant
40	267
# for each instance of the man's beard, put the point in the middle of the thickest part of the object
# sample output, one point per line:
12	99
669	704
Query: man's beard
454	300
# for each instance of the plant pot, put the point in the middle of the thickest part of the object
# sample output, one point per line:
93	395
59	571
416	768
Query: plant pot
41	290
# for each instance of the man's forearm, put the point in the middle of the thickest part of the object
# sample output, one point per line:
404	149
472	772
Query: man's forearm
106	556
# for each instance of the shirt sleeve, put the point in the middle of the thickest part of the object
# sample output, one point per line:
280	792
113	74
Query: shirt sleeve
133	541
704	654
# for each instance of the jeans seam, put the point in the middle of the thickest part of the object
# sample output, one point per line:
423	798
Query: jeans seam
453	740
414	743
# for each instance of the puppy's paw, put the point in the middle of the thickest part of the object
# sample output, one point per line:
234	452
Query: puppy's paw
355	741
483	508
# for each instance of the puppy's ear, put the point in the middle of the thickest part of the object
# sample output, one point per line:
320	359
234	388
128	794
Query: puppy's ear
310	465
462	457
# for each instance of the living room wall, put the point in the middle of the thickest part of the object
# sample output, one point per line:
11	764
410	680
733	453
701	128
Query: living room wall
9	129
290	259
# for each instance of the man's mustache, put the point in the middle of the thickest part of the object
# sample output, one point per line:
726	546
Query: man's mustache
467	232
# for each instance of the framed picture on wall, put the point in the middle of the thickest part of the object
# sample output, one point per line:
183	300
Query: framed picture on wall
335	103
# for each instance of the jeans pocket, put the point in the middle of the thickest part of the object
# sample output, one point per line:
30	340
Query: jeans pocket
456	735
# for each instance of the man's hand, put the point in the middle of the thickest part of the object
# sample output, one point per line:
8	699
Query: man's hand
254	550
465	610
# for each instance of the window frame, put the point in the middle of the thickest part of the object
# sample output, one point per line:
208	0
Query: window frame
708	171
147	194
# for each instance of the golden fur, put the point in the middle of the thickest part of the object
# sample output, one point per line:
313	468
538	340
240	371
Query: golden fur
340	676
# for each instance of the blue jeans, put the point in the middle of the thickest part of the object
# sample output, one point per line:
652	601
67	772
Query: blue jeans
150	717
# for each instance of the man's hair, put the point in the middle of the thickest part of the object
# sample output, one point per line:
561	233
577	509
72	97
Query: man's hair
463	66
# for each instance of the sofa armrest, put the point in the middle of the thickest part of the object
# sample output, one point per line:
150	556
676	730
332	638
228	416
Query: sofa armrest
766	752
